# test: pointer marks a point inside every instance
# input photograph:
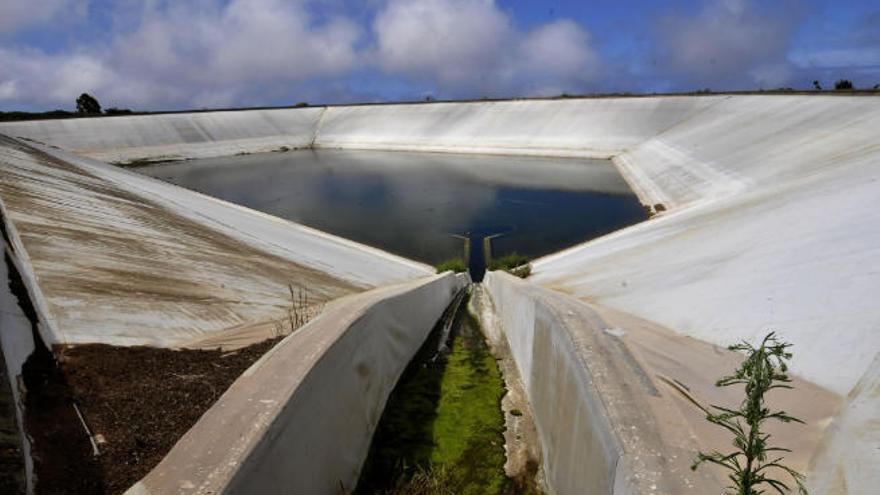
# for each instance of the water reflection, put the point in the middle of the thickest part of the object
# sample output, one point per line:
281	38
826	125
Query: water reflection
413	203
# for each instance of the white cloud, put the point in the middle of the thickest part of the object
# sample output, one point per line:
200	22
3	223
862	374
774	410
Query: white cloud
557	57
8	90
209	53
16	15
184	53
246	43
452	41
30	72
729	42
56	80
472	45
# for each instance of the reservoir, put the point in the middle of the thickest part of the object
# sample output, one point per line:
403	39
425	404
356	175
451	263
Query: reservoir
423	205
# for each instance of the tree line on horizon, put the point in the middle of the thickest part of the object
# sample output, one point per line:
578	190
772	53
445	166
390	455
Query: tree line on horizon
89	106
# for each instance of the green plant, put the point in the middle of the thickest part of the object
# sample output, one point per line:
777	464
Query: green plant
843	84
456	265
513	263
763	370
434	480
522	271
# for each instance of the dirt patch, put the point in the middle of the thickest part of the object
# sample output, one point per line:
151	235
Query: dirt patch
12	470
137	401
60	448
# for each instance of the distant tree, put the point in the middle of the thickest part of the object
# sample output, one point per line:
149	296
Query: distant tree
876	87
817	85
301	104
843	84
86	104
429	98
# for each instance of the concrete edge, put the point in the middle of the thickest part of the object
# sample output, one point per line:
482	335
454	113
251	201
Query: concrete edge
300	420
49	330
560	388
16	346
848	459
535	151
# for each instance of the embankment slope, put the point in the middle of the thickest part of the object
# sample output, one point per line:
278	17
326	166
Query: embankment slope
117	258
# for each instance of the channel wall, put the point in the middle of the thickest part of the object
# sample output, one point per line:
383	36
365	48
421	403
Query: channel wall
16	342
300	420
581	452
619	402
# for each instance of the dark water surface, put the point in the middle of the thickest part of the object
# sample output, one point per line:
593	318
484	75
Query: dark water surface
414	204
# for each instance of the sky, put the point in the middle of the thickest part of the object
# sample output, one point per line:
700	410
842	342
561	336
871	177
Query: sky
180	54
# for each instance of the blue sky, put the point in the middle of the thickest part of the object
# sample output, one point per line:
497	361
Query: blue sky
166	54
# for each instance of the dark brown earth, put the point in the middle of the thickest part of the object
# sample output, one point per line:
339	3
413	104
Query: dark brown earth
60	448
12	475
141	400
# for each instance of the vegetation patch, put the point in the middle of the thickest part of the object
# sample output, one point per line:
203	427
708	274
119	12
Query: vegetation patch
456	265
513	263
442	429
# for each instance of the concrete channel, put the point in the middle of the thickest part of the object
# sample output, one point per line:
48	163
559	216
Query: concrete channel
768	222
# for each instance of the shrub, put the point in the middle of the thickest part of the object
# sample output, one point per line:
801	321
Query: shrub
843	84
763	370
513	263
456	265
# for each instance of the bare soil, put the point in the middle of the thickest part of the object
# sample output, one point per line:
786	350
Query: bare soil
140	400
12	471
